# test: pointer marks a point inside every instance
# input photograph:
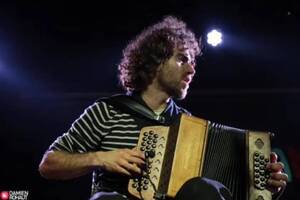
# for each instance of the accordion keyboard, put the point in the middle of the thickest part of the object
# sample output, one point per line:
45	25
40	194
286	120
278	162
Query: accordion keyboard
259	153
153	144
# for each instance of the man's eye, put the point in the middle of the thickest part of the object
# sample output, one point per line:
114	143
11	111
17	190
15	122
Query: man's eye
183	59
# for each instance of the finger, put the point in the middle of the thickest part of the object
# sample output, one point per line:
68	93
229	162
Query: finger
134	152
273	157
123	171
279	176
137	153
130	155
131	167
276	184
135	148
275	167
135	160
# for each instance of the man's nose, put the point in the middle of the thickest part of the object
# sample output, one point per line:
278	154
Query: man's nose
191	68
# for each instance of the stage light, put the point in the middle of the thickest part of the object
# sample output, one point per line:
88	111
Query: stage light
214	38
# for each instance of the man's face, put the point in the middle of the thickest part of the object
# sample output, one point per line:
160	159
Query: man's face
176	73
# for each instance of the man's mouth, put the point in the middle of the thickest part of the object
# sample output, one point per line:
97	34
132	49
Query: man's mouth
187	80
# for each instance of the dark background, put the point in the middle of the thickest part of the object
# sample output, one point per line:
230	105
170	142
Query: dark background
56	58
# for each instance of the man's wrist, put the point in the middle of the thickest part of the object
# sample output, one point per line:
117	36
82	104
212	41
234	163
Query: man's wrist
96	159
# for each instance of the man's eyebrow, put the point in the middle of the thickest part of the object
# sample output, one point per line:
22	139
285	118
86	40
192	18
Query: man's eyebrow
186	55
183	54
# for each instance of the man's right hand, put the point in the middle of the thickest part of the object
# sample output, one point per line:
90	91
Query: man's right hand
123	161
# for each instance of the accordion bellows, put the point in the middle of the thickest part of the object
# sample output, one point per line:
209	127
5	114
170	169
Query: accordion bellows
196	147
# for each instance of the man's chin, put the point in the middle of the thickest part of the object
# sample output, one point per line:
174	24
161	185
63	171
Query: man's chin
181	94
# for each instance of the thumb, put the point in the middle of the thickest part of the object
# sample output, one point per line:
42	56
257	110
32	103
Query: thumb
273	157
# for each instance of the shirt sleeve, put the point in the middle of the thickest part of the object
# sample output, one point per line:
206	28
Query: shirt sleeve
86	132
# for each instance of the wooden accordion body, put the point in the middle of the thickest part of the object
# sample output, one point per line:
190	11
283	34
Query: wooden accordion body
195	147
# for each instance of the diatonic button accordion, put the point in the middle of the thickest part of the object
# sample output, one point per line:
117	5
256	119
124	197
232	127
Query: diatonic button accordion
195	147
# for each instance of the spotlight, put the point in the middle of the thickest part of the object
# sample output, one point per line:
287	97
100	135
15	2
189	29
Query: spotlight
214	38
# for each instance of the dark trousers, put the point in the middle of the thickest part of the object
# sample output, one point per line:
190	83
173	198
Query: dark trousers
194	189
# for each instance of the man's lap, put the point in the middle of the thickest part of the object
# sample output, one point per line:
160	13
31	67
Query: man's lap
194	189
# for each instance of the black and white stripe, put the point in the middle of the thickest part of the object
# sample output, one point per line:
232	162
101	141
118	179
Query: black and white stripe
103	127
100	127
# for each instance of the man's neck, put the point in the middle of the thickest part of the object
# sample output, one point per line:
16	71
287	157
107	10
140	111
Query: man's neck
155	99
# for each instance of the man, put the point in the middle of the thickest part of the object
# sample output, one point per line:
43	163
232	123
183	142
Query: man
157	66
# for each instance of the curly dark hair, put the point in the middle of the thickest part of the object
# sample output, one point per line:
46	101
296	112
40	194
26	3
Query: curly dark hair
152	47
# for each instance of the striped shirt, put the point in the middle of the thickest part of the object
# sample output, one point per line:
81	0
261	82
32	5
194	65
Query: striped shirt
104	127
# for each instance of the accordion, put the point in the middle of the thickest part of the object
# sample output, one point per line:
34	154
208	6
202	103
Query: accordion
195	147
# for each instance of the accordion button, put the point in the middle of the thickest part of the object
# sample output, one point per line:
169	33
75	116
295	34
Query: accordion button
146	181
260	198
143	143
262	172
150	154
155	135
265	165
155	141
142	149
145	133
262	157
151	132
256	175
149	141
144	173
267	160
134	185
153	146
145	187
256	154
145	138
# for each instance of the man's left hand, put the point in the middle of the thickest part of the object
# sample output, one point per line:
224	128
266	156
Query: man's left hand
278	179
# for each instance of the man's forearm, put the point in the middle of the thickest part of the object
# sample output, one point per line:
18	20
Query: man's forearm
64	165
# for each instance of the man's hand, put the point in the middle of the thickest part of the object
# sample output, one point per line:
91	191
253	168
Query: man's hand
123	161
277	179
